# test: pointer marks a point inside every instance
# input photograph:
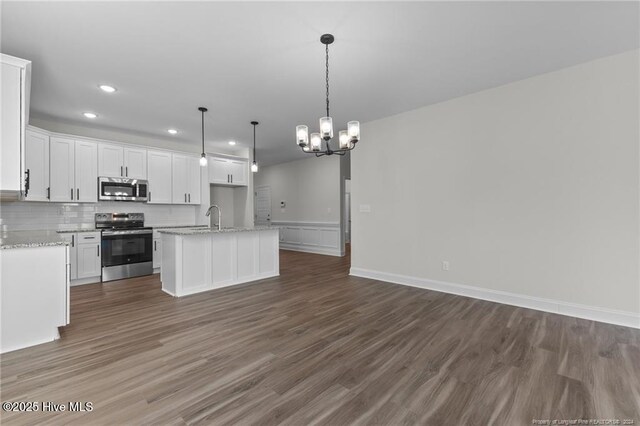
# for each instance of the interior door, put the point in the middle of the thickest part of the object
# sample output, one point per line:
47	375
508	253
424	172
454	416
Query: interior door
110	160
263	206
135	163
86	165
62	169
37	163
159	176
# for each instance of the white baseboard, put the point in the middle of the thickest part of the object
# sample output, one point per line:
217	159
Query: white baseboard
624	318
83	281
316	250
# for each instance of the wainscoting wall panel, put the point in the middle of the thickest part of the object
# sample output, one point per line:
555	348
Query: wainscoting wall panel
311	237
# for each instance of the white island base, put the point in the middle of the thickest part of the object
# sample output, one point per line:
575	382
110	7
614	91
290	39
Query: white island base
196	260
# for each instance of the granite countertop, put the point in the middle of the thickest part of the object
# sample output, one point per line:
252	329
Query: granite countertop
27	239
176	226
67	231
93	229
207	230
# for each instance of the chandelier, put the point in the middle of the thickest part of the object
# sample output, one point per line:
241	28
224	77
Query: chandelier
347	139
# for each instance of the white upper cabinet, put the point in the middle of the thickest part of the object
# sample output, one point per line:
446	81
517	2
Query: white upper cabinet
37	166
186	179
194	169
228	171
180	176
86	168
239	170
118	161
110	160
14	115
73	170
159	177
62	169
135	163
218	171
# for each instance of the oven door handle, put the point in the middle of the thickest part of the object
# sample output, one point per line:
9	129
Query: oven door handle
132	232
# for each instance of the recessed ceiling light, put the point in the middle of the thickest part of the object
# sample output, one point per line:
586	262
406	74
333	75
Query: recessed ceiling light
232	142
107	88
90	115
173	131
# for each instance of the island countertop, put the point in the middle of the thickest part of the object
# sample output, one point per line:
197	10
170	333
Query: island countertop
206	230
29	239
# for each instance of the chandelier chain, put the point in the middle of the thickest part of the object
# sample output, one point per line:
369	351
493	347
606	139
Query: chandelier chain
327	67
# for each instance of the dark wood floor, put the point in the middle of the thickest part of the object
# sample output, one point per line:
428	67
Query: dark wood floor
317	346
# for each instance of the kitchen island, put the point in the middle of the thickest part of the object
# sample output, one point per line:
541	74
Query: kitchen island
201	259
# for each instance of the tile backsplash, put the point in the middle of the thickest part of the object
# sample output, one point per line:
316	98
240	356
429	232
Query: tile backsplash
19	216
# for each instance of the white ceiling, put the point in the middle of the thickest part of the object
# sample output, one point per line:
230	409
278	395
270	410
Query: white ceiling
263	61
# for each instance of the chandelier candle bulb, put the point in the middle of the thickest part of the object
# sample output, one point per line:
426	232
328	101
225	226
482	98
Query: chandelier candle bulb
344	139
316	142
353	128
302	133
326	128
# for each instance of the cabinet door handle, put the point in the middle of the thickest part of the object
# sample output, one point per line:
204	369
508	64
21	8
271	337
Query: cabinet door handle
27	180
71	194
121	172
48	193
98	247
155	246
189	197
185	197
149	200
231	178
126	171
73	240
78	194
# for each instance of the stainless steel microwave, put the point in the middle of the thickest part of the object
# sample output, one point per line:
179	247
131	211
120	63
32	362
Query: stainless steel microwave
122	189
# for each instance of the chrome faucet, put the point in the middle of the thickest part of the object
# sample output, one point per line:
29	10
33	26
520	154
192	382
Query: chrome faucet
219	215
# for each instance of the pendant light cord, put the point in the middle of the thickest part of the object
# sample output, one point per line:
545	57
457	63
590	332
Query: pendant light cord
327	66
202	131
254	143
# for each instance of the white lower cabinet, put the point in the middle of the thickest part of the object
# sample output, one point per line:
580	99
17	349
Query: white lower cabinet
73	254
84	255
157	253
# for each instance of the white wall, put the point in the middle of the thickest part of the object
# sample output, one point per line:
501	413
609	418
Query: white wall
531	189
310	187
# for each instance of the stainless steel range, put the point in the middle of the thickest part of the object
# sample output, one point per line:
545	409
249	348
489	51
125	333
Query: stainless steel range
126	245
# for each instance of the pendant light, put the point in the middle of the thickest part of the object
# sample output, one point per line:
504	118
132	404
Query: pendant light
347	138
254	165
203	157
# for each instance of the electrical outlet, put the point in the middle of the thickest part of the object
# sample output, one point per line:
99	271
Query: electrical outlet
445	265
365	208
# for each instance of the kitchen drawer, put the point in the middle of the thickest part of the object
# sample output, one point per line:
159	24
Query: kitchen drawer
88	237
